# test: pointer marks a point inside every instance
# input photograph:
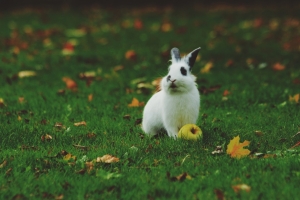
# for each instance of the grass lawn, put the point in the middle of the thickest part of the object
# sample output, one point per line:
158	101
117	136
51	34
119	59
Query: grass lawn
59	67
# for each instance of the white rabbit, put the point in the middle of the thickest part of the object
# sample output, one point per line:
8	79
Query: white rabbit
178	102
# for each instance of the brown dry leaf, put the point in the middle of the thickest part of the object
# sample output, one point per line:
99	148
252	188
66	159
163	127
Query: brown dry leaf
206	69
82	123
91	135
21	99
278	67
107	159
138	24
135	103
89	166
46	137
241	187
80	147
219	194
118	68
259	133
130	55
23	74
72	85
294	98
90	97
3	164
59	197
236	149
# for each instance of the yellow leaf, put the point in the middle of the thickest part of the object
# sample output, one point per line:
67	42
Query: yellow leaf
69	157
235	148
135	103
207	68
107	159
294	98
23	74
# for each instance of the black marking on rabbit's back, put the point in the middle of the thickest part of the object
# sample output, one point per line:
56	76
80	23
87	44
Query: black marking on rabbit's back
183	71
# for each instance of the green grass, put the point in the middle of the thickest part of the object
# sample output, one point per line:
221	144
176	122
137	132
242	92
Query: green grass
258	101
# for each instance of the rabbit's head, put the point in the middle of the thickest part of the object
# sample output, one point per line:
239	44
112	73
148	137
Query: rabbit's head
180	78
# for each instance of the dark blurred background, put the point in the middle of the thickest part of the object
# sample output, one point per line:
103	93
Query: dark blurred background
12	4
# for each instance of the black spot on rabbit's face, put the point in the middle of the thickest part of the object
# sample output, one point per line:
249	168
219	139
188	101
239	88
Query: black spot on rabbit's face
183	71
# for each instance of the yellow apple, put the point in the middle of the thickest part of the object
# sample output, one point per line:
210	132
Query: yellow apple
190	132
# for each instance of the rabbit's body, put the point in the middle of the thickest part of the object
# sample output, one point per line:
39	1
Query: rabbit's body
178	101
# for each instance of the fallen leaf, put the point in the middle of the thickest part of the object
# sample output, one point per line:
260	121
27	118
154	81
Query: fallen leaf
107	159
46	137
235	148
21	99
130	55
90	135
2	104
278	67
166	27
59	197
90	97
70	83
241	187
294	98
127	117
211	89
69	157
82	123
23	74
89	166
206	69
118	68
135	103
3	164
258	133
138	24
220	194
226	93
59	125
68	48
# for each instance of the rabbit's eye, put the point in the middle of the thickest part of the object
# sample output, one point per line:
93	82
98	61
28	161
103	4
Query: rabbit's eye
183	71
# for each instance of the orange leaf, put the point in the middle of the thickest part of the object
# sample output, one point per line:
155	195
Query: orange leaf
83	123
107	159
294	98
135	103
278	67
226	93
235	148
72	85
130	55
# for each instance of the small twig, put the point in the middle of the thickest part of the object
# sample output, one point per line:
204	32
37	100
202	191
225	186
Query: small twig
80	147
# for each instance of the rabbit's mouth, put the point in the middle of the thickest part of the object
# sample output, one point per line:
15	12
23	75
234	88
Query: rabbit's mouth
173	86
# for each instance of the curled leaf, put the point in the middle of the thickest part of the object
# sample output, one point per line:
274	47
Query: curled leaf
236	149
241	187
107	159
82	123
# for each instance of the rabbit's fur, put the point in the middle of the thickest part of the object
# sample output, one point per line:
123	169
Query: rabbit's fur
178	102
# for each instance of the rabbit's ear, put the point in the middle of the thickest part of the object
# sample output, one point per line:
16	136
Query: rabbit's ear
191	57
175	54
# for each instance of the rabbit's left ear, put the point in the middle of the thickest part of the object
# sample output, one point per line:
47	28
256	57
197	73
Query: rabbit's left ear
191	57
175	55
